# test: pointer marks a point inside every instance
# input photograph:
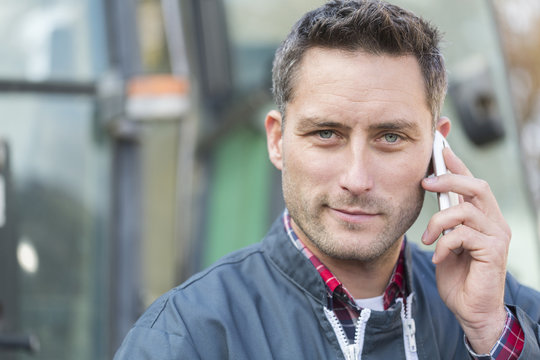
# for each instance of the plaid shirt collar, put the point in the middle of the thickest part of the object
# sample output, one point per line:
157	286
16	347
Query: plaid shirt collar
395	289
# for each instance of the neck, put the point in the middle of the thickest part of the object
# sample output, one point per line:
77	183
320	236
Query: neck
362	279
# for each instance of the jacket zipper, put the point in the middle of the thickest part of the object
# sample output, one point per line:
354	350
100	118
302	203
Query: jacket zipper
350	351
409	329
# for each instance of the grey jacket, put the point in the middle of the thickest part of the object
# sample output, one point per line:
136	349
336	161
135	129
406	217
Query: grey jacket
267	301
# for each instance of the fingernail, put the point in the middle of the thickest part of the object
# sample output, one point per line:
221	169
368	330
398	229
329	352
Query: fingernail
430	180
424	236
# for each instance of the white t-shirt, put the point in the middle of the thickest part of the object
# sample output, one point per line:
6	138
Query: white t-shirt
374	303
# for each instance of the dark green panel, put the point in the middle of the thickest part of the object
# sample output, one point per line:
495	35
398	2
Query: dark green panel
239	197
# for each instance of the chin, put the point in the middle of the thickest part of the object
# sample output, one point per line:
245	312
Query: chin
362	250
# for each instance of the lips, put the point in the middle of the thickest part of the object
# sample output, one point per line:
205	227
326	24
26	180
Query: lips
353	215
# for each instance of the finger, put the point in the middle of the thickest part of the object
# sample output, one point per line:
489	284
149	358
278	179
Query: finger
455	251
470	189
473	190
480	246
452	242
462	214
454	163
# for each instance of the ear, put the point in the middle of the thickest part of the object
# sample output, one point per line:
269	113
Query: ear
274	140
444	125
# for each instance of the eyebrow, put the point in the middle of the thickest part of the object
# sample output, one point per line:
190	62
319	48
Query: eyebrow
316	122
394	125
399	124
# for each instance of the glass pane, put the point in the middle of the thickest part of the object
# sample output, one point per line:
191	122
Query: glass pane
255	29
53	39
60	171
520	32
160	243
151	37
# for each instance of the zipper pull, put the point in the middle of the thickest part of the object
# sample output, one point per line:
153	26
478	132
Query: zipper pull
410	330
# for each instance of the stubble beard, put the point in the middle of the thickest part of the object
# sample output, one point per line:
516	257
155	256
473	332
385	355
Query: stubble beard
308	215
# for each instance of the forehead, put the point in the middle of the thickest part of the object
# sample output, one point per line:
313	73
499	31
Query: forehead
351	85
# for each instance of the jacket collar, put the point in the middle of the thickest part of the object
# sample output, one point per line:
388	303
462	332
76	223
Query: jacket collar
292	263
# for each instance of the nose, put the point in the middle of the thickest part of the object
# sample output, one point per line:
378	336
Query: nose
357	172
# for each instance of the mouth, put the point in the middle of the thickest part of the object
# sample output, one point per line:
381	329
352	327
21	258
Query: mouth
351	215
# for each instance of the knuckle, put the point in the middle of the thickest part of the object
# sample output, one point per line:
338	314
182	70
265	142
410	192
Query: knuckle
483	186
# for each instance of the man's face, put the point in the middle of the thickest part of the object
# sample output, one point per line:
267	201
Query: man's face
354	148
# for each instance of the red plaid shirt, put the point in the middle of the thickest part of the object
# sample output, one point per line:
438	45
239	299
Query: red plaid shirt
342	303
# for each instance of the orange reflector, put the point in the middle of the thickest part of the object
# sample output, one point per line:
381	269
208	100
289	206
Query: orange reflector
157	85
157	97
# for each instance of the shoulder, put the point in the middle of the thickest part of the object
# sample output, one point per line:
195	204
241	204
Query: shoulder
169	326
208	289
233	263
522	296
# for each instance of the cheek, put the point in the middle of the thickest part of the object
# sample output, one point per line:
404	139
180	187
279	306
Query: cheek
309	167
407	171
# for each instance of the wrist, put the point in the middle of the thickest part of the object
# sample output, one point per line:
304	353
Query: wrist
483	336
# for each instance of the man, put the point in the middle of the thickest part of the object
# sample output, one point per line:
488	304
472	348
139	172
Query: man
359	86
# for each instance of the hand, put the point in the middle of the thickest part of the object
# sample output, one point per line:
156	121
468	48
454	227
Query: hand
471	282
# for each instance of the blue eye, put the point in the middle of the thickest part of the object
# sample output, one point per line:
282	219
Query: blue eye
391	138
326	134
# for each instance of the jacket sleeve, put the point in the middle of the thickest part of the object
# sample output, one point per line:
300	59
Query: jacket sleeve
531	329
524	302
144	343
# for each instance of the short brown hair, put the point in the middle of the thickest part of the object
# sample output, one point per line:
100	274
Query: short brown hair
373	26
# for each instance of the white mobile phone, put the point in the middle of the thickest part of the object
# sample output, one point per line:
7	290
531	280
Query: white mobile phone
439	167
